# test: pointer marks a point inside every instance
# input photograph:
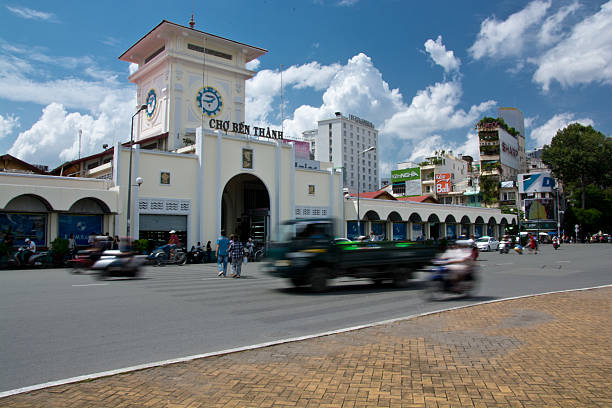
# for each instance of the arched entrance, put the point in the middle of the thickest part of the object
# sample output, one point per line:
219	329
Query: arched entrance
85	217
25	216
245	208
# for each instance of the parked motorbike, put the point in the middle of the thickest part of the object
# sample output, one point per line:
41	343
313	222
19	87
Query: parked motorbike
195	255
21	259
165	255
114	263
443	282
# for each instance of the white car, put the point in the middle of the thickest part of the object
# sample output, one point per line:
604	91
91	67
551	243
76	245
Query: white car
487	244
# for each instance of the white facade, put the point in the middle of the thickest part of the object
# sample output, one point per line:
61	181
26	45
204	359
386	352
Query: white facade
442	164
340	140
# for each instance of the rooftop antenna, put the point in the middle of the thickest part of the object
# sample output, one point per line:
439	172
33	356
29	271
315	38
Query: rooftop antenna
192	21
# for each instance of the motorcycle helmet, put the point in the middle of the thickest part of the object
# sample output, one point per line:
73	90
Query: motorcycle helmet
173	232
27	240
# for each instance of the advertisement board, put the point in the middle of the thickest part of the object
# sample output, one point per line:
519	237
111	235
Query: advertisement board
443	183
540	209
508	149
536	183
413	173
302	148
23	225
79	225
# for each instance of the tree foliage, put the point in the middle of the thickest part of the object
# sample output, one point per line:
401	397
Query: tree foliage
580	156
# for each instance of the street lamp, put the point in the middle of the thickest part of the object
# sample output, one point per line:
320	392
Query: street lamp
369	149
129	199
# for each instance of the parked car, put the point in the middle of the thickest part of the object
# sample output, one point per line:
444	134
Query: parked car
487	243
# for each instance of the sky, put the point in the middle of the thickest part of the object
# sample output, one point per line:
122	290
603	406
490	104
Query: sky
423	72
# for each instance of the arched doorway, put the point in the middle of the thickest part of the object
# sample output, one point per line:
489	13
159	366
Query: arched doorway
434	227
25	216
245	208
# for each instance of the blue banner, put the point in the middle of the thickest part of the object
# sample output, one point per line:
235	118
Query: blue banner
80	225
351	230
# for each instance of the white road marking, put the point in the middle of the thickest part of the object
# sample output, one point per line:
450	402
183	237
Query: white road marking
564	261
507	263
93	284
266	344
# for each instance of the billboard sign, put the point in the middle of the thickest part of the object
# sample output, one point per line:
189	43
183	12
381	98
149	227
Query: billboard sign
536	183
443	183
302	148
508	149
413	173
540	209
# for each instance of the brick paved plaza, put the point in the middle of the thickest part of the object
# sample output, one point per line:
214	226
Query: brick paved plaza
551	350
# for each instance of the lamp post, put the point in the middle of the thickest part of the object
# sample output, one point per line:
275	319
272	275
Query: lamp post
369	149
129	198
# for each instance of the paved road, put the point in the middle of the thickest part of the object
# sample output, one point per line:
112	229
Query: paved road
54	325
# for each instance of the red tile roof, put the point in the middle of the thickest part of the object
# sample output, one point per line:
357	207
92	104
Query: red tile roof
420	199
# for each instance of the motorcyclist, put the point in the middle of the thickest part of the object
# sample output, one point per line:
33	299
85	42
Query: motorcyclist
458	261
29	250
173	242
249	247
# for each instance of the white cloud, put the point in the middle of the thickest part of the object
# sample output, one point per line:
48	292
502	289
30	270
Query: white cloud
506	38
133	68
542	135
30	14
54	138
347	2
7	124
583	57
406	131
434	109
550	30
438	53
253	64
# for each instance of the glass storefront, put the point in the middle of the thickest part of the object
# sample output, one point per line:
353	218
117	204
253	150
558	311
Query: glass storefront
399	231
351	230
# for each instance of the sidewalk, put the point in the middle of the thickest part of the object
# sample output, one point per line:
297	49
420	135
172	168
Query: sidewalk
551	350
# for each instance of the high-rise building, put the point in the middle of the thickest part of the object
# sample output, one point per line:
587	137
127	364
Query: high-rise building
342	140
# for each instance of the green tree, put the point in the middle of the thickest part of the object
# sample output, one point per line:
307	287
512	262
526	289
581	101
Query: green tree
578	156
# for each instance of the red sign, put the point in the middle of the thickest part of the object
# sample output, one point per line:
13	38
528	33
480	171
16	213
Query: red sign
443	183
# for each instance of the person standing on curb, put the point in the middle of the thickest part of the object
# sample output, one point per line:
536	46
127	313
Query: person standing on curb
236	251
221	253
208	251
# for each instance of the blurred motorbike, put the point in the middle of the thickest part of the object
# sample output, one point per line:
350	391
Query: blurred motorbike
504	246
165	255
451	278
114	263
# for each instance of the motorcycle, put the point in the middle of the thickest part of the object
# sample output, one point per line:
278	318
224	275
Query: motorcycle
443	282
555	244
163	255
20	258
195	255
504	246
114	263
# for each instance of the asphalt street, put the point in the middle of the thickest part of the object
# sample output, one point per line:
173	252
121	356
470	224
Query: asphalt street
54	325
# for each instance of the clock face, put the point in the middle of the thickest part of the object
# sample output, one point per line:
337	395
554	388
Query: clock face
151	102
209	101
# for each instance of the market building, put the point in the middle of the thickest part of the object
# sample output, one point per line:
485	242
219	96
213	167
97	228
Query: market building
194	165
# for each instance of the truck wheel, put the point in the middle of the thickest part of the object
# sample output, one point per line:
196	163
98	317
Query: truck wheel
297	282
401	277
318	280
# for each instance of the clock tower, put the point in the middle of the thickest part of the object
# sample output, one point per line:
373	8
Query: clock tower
187	77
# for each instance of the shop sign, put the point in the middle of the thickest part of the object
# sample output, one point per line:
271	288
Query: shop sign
242	129
413	173
443	183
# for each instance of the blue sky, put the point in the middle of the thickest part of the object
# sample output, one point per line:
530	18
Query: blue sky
422	72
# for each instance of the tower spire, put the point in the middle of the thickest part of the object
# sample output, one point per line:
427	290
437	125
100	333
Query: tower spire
192	21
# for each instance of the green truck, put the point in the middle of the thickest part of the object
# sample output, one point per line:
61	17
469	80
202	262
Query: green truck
308	255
